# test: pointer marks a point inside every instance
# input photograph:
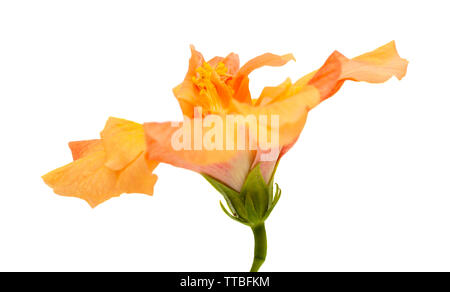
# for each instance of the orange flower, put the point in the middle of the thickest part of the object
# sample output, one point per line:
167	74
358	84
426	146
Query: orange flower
240	168
106	167
123	159
220	87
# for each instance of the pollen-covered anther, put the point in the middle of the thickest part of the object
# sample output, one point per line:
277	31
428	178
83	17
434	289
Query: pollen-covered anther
209	99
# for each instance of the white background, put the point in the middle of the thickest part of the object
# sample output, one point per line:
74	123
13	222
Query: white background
366	188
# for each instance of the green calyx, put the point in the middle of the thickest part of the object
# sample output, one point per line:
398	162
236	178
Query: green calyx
253	205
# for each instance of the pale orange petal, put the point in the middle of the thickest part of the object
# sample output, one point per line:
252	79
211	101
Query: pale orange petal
291	113
375	67
266	166
123	141
272	93
215	61
82	148
224	92
242	93
292	102
232	63
186	92
186	95
195	61
286	90
138	177
266	59
86	178
228	166
241	77
90	177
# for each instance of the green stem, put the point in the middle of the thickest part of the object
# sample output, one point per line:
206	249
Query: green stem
259	232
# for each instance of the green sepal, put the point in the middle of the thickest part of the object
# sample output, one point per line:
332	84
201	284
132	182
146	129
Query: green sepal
254	203
273	202
233	198
253	217
256	194
230	215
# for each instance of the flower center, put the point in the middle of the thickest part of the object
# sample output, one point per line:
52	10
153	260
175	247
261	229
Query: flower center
206	80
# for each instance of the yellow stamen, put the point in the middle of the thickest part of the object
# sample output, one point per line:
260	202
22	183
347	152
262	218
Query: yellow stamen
209	98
